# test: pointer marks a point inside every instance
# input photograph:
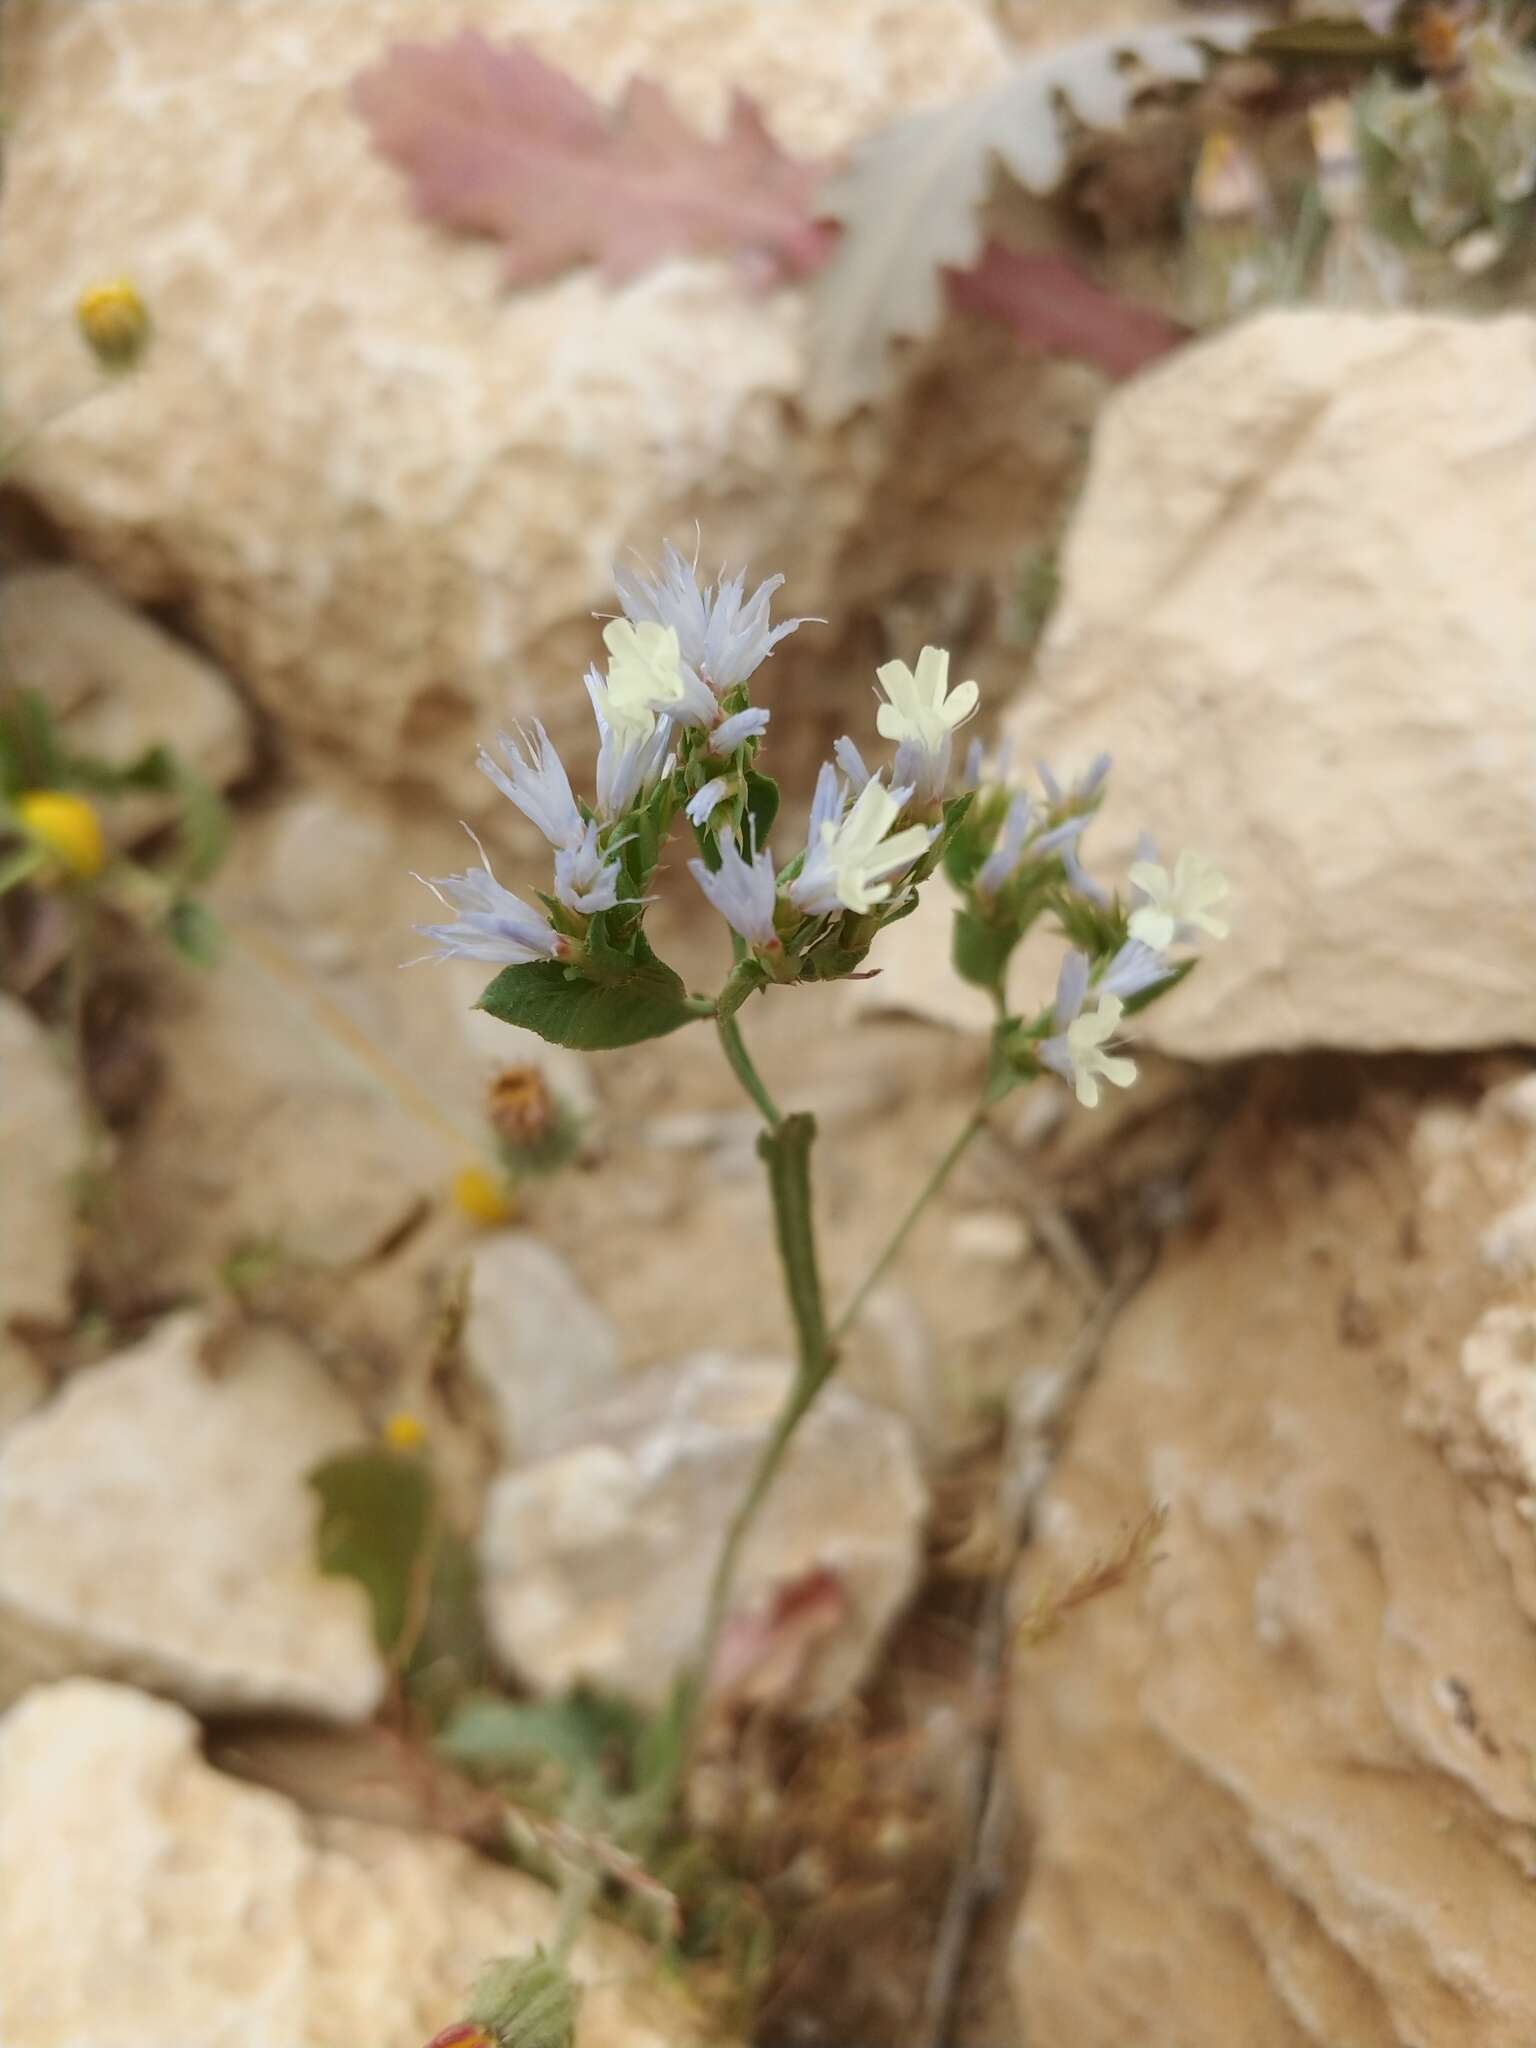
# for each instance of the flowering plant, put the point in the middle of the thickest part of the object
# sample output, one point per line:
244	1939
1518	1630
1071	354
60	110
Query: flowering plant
680	739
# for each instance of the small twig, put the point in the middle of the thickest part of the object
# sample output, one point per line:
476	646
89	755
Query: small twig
1033	1433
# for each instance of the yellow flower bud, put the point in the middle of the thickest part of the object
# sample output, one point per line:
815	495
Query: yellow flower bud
405	1431
114	323
479	1195
67	827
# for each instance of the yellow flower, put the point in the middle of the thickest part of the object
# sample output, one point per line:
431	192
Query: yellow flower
481	1196
67	827
405	1431
114	323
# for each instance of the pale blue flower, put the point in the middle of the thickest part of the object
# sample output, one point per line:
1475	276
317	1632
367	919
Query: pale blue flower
1071	987
1087	785
743	891
1079	878
1060	837
1002	863
492	924
703	803
851	761
1135	967
723	635
633	755
977	769
735	731
584	880
535	780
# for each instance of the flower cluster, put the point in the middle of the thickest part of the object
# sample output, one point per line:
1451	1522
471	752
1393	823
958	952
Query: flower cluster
1017	856
1451	162
678	736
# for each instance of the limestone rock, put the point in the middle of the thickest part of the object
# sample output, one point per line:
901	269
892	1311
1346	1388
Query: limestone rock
42	1149
147	1901
533	1336
1309	674
1279	1786
386	488
597	1559
155	1524
119	684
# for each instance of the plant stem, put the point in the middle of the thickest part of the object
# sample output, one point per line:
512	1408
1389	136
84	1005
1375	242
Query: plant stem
742	1067
924	1196
785	1149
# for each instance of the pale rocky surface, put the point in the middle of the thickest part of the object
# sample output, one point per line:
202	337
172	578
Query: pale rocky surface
387	491
535	1339
156	1525
176	1907
119	685
1309	678
597	1558
1280	1786
43	1148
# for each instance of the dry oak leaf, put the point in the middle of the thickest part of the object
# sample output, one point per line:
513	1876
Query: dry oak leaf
497	142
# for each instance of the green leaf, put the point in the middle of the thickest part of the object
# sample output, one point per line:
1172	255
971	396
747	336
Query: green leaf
380	1525
762	807
376	1512
584	1734
565	1009
981	950
1010	1061
194	932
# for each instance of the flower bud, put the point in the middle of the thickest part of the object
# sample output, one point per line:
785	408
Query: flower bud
114	323
527	2002
463	2034
67	827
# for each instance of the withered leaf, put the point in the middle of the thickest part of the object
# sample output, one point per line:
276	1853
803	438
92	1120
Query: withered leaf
497	142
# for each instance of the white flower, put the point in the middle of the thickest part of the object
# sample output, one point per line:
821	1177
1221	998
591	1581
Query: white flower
736	730
742	891
921	716
584	881
492	924
646	675
848	859
1078	1051
535	780
703	803
723	636
633	754
1178	905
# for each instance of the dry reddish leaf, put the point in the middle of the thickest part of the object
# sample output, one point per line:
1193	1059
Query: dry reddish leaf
763	1655
1051	305
496	141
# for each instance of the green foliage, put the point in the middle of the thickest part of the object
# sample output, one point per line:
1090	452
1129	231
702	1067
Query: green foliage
35	755
982	949
381	1525
588	1741
565	1008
